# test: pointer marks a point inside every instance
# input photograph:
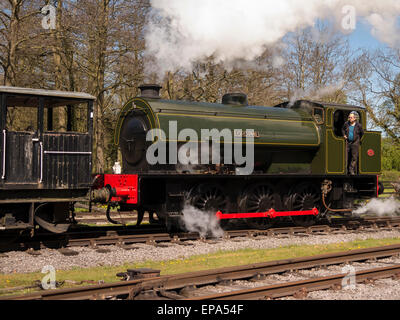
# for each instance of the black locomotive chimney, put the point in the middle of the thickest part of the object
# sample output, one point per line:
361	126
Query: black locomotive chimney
151	91
237	99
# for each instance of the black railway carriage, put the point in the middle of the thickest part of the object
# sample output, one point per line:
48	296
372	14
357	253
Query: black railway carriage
45	152
299	159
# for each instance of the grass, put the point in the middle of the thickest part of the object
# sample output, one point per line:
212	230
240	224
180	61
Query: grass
387	195
194	263
390	175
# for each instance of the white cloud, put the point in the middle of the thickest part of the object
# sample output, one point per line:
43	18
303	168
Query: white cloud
183	31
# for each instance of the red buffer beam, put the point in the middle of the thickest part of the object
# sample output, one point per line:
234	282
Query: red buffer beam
116	188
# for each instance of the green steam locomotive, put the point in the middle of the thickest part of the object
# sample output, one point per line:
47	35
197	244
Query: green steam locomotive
298	158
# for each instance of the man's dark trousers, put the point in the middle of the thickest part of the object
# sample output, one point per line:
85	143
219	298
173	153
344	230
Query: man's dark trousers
352	156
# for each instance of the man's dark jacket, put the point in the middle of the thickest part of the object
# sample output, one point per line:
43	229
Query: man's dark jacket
357	134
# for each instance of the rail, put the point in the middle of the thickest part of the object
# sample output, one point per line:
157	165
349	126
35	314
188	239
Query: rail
314	284
161	284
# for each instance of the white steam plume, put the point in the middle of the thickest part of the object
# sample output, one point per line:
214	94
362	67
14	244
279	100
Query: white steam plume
316	94
203	223
180	32
380	207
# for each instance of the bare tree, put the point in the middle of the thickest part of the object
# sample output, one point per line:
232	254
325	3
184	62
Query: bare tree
317	65
378	89
98	47
209	81
110	47
17	33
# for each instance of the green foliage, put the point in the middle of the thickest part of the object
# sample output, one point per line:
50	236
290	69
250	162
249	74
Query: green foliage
390	155
390	176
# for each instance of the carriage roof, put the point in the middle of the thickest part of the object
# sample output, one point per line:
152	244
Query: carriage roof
47	93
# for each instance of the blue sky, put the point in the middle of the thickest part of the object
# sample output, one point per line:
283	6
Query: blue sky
361	37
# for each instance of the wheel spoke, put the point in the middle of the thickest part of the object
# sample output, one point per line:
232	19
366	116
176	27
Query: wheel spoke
206	197
253	208
306	197
258	198
253	201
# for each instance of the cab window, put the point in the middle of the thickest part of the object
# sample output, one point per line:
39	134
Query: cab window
318	115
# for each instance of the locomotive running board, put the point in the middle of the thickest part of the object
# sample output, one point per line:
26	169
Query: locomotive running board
271	213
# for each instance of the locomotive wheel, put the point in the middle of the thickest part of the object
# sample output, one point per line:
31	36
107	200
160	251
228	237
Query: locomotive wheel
305	196
259	198
208	197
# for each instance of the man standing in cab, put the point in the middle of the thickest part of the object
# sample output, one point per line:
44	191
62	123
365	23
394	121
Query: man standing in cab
352	132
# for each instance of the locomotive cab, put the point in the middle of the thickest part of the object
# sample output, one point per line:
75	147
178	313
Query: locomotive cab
369	161
331	157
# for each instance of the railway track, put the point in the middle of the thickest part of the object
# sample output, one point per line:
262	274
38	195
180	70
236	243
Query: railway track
125	237
98	216
183	286
302	287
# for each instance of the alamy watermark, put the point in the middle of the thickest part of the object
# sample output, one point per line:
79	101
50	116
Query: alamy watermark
49	280
49	19
349	21
349	281
197	151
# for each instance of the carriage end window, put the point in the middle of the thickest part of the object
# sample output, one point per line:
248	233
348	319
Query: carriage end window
60	116
22	114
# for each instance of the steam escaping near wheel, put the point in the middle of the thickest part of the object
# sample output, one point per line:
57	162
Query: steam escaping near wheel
201	222
380	207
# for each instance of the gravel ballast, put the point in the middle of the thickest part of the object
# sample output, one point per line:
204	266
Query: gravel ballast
23	262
